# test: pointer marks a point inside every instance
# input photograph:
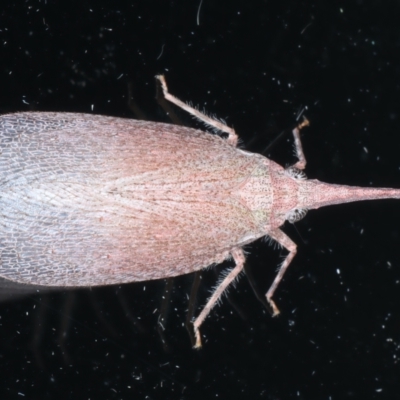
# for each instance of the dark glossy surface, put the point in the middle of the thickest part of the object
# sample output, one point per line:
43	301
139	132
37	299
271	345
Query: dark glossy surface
256	64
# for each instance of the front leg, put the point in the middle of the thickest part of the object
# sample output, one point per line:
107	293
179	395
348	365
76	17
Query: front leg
301	163
291	247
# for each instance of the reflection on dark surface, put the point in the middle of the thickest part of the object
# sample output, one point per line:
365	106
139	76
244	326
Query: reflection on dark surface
256	64
12	291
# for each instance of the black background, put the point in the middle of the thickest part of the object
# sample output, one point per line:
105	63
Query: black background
256	64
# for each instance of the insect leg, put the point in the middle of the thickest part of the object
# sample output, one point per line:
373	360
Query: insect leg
301	164
166	105
289	245
239	259
232	136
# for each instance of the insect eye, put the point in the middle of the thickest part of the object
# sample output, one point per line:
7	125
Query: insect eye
296	215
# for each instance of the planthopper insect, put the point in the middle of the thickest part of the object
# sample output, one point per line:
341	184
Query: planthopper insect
91	200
